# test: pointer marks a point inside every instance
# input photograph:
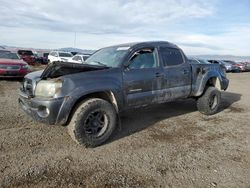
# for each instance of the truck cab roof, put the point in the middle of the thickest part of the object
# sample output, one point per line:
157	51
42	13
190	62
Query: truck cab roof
146	44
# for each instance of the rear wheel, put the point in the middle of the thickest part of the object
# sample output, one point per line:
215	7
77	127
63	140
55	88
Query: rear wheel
209	102
93	122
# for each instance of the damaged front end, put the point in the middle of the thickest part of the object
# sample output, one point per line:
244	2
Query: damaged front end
41	94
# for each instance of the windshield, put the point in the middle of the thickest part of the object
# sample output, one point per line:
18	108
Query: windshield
45	54
39	54
9	56
110	57
61	54
25	52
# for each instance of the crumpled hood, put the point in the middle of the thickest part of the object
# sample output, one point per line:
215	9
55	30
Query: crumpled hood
34	75
58	69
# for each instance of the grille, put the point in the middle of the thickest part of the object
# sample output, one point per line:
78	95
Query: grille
28	87
10	67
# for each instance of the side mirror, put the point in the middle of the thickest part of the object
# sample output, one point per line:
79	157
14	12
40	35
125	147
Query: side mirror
126	65
126	68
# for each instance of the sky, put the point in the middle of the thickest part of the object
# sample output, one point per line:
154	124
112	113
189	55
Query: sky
219	27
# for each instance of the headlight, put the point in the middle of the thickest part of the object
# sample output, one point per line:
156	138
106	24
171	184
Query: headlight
48	88
26	67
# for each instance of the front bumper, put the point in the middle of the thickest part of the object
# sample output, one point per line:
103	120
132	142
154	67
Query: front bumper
13	74
42	110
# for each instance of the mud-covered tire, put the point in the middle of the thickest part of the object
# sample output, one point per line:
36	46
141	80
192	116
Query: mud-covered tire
82	127
209	102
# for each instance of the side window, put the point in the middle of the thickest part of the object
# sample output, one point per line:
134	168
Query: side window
143	59
85	57
75	58
171	56
79	58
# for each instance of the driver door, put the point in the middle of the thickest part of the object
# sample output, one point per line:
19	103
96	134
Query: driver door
143	78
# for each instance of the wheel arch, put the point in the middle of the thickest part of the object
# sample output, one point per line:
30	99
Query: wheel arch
213	81
105	95
210	80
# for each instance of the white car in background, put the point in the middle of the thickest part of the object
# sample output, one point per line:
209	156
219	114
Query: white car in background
59	56
79	58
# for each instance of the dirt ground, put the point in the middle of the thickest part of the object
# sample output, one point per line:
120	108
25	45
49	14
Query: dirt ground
168	145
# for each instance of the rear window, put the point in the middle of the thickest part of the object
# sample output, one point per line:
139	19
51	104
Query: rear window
171	56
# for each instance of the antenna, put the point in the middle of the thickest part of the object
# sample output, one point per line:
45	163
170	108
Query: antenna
75	41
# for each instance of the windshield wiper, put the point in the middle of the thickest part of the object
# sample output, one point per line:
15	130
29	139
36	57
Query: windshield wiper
100	63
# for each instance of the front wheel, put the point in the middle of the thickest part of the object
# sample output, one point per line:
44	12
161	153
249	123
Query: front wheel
209	102
93	122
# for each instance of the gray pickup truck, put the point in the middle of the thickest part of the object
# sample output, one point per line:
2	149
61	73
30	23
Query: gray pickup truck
89	97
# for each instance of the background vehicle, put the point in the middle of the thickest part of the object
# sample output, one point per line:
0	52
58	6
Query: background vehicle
74	53
90	96
239	67
59	56
79	58
197	61
242	66
42	58
4	51
12	66
247	65
228	67
28	56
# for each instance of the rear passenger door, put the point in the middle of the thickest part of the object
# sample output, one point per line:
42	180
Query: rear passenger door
177	82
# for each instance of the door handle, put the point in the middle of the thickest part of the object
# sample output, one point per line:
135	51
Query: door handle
185	71
157	75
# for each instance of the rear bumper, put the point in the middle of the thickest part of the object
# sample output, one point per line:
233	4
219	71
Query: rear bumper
42	110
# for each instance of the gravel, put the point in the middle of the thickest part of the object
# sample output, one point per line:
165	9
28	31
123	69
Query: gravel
167	145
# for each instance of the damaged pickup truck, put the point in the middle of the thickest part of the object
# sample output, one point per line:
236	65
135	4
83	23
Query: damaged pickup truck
89	97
